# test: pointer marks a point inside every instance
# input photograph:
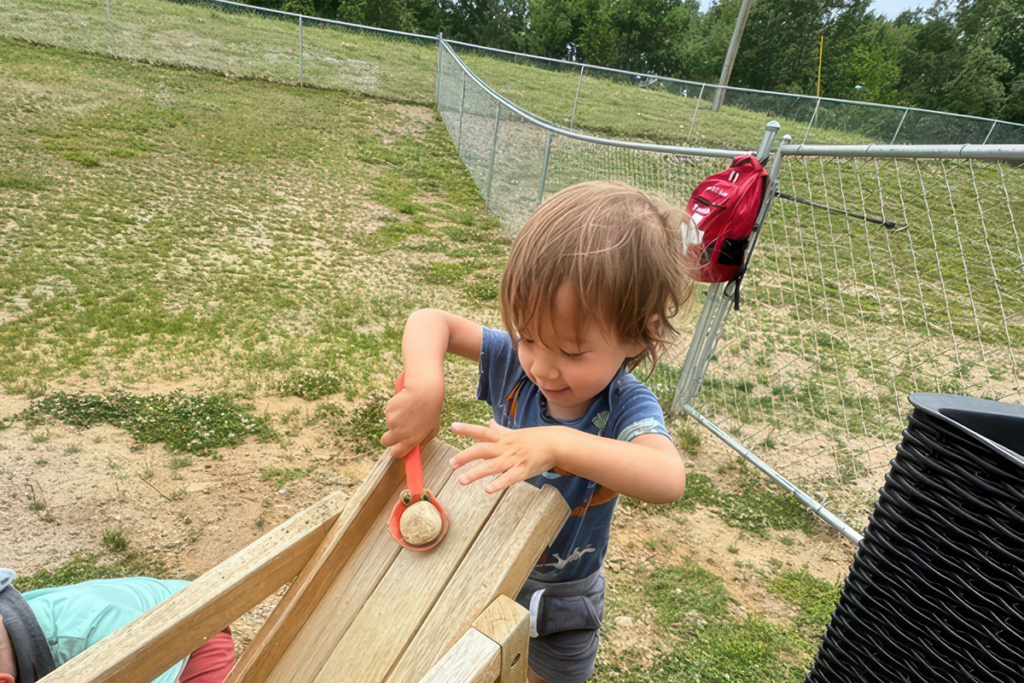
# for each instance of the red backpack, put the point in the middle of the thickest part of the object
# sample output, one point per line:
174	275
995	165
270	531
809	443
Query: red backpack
724	208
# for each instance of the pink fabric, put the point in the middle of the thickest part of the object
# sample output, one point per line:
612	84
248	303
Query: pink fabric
212	662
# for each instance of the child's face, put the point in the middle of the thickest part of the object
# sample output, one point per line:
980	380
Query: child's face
571	368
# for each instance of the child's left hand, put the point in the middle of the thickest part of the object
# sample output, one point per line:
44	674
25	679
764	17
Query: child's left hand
515	454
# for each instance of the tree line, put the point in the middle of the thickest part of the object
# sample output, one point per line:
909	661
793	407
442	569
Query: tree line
963	56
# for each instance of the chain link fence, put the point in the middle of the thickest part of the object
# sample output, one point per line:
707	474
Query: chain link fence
517	158
879	271
245	40
236	40
647	106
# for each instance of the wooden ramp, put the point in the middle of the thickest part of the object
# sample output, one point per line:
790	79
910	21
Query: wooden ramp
363	609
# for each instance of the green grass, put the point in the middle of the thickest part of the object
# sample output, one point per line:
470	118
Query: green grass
281	476
115	540
88	567
613	106
814	598
751	503
191	424
310	384
296	262
198	36
703	637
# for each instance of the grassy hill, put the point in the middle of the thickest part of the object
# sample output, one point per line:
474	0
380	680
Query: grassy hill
402	69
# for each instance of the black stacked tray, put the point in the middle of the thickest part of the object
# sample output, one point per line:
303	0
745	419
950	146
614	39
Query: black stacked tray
936	589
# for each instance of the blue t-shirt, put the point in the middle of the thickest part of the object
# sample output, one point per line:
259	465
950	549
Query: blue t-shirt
624	410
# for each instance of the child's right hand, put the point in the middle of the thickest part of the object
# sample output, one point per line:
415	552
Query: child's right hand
413	416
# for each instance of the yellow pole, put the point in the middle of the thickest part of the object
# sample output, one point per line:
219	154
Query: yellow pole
821	51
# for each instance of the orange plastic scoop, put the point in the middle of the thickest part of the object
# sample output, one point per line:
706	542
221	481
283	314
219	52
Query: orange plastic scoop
414	494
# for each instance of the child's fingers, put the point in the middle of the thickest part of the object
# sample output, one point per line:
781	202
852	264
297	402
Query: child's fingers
504	480
389	439
481	451
497	428
399	447
475	432
483	469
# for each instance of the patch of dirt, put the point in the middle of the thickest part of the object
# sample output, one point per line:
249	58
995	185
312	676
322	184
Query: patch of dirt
414	120
61	488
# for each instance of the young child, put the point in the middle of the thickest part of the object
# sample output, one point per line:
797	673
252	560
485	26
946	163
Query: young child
45	628
593	281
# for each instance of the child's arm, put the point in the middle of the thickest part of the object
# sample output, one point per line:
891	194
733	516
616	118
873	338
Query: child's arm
412	414
647	468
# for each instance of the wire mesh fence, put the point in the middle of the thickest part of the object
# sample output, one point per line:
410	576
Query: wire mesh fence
516	159
873	278
250	41
234	39
676	111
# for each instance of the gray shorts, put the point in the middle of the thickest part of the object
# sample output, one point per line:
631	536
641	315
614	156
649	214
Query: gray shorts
565	620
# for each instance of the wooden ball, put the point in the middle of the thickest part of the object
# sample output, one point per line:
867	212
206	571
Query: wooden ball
420	523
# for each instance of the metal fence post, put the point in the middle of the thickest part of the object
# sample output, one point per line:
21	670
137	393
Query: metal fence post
693	120
689	377
770	131
300	50
900	127
494	151
721	296
110	26
462	108
990	132
577	100
544	170
437	78
811	122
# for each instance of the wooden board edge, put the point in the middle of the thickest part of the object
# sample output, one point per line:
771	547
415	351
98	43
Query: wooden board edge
149	645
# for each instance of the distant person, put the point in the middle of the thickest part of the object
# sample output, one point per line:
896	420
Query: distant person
43	629
593	282
572	51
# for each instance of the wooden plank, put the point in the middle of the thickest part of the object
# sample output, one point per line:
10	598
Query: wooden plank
149	645
507	623
475	658
361	557
499	562
393	613
308	589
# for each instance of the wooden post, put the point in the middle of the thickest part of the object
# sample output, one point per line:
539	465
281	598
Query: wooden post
507	623
474	659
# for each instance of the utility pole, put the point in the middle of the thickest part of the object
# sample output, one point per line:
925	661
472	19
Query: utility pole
730	56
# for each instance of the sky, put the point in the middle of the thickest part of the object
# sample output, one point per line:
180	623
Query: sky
887	8
892	8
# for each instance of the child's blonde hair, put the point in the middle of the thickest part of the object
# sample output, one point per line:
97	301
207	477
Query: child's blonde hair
620	251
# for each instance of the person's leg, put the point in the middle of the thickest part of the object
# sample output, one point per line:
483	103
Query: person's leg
212	662
534	678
